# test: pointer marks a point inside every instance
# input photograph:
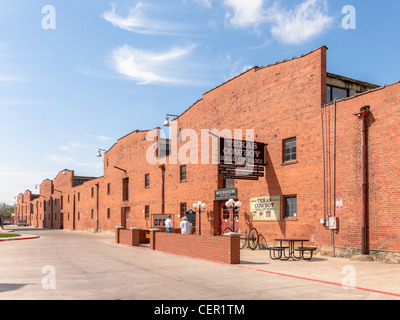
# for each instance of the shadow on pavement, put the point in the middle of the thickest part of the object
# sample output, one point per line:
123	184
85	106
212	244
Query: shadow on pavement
10	286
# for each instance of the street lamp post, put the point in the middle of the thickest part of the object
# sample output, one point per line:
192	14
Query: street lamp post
201	207
232	204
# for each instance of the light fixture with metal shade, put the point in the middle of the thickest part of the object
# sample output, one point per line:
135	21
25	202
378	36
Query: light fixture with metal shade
167	122
99	155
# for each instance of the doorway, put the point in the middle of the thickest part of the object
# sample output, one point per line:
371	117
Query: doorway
229	218
125	217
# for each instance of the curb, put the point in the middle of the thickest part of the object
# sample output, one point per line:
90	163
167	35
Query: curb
19	238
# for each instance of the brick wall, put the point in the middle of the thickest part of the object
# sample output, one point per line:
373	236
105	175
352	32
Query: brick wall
224	249
278	102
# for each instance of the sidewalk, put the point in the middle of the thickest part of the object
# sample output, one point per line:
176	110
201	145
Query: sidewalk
377	277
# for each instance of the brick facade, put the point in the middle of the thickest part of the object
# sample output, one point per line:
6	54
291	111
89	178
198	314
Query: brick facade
280	101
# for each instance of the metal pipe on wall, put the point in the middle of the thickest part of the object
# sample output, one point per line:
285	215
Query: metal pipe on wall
363	116
334	177
162	167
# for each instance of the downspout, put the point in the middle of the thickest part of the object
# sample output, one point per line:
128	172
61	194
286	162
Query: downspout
363	116
162	167
97	207
334	177
73	213
51	212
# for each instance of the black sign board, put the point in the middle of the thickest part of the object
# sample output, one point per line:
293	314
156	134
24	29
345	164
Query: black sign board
191	215
242	173
241	177
241	152
226	194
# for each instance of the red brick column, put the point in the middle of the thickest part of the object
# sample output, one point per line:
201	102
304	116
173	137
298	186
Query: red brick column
153	238
117	229
135	236
235	247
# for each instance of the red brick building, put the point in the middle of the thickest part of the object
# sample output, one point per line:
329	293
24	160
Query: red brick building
325	159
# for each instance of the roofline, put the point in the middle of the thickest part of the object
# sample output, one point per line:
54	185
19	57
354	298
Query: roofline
333	75
255	69
362	93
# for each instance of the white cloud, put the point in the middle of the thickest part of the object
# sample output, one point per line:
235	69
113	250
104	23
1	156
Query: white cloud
291	26
16	180
100	138
136	21
16	102
298	25
245	13
205	3
147	67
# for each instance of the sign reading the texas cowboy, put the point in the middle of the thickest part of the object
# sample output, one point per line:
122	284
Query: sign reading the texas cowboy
265	208
241	159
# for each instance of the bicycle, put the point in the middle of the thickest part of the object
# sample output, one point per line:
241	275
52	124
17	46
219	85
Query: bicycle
250	239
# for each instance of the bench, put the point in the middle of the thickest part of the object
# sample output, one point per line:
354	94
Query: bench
276	252
306	249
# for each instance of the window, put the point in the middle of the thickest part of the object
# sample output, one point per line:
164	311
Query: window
147	212
92	192
108	188
225	213
147	180
289	150
79	196
229	183
183	209
183	173
92	213
290	206
125	189
165	148
108	213
333	93
79	216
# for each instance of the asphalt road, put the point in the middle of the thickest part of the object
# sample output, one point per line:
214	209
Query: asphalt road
87	266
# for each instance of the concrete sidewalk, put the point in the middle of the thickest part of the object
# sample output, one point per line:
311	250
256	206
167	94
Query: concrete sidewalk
90	266
369	276
365	276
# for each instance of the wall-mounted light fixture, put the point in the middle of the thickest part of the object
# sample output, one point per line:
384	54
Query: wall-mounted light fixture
167	122
99	155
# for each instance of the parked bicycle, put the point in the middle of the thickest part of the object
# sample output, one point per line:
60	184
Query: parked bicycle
249	238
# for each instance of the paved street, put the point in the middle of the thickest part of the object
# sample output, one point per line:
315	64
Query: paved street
80	265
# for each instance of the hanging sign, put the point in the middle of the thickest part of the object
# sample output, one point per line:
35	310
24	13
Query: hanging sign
241	152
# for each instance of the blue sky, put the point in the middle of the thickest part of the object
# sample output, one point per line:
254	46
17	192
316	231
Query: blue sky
109	68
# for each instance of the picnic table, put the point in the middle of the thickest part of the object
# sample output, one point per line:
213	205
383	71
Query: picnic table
286	252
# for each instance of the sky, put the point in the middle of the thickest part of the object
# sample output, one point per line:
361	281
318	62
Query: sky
77	75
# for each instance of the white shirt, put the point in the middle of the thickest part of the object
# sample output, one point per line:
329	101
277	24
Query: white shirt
186	227
168	223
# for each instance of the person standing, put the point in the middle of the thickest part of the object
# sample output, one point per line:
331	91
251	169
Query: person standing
168	224
186	226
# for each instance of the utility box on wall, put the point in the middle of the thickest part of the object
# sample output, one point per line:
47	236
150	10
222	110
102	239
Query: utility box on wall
333	223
